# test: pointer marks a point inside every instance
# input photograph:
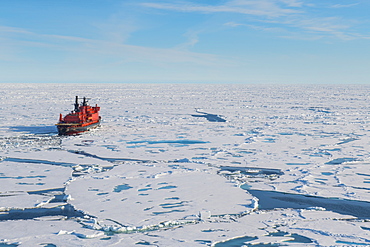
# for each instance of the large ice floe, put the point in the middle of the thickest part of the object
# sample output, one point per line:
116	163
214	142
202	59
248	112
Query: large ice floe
186	165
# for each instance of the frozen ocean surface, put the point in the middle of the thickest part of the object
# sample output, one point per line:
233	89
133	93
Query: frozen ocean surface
186	165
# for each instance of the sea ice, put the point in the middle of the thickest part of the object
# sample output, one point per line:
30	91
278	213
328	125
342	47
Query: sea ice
176	165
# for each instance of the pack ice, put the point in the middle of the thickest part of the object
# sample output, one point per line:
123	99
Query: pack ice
186	165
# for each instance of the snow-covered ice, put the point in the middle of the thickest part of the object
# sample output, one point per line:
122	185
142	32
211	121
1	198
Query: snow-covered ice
186	165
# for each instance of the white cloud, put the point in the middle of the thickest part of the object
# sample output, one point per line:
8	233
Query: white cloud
292	16
292	3
256	27
267	8
319	27
90	49
192	39
233	24
13	30
118	28
337	6
326	24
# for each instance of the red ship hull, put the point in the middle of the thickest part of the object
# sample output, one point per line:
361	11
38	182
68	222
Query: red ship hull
72	129
82	118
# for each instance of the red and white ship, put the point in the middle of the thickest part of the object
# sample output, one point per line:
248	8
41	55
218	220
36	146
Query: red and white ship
82	118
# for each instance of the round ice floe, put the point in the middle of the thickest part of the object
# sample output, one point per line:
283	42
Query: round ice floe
144	194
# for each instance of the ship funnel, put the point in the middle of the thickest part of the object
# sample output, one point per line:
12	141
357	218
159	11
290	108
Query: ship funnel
76	104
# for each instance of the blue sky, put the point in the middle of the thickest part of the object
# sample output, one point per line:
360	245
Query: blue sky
228	41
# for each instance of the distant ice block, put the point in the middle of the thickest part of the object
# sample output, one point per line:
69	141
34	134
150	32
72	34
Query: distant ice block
203	215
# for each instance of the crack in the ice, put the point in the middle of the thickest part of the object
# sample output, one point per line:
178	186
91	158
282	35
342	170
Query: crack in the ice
273	199
34	161
112	160
209	117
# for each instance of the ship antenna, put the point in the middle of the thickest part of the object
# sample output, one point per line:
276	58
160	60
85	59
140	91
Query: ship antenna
76	104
